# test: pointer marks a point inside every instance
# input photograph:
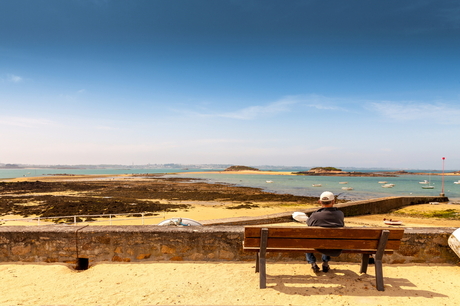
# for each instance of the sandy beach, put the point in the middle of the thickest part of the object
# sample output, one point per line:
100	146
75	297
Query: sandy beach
226	283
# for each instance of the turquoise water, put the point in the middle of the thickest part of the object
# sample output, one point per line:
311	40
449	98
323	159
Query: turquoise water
15	173
363	187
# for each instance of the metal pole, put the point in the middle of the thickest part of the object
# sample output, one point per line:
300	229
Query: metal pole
442	189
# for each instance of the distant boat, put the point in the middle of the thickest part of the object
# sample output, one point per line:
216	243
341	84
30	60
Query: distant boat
457	182
347	188
392	222
382	182
427	183
317	185
343	182
388	185
269	181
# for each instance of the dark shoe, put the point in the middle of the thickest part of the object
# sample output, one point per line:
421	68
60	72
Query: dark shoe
315	267
326	267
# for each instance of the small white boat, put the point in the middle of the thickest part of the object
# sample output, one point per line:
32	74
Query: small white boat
317	185
388	185
269	181
347	188
300	217
343	182
382	182
179	222
392	222
457	182
427	183
454	241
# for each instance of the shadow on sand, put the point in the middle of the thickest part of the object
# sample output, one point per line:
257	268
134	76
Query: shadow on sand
343	283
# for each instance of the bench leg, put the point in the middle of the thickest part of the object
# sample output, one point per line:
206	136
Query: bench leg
378	260
262	259
257	262
364	263
379	275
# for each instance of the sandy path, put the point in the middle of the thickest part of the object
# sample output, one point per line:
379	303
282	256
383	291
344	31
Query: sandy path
234	283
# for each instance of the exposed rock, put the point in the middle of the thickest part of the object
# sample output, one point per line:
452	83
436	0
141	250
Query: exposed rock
240	168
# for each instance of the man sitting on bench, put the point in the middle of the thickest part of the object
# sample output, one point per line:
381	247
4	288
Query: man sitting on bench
327	216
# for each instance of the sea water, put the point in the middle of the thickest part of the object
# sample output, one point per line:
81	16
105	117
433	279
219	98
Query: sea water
363	187
16	173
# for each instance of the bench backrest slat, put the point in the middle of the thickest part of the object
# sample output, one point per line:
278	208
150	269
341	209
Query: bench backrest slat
277	243
323	238
318	232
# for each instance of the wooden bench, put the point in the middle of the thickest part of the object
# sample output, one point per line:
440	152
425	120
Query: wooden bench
365	241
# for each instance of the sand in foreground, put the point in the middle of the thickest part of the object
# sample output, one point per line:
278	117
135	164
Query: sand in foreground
229	283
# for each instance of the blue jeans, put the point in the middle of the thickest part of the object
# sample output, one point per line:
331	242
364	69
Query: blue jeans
311	257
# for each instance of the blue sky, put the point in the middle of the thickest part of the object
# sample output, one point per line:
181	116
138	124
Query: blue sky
294	83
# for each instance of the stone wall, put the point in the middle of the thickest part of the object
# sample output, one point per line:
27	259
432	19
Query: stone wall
168	243
219	240
355	208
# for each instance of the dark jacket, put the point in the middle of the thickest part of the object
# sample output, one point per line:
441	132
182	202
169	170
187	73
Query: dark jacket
326	217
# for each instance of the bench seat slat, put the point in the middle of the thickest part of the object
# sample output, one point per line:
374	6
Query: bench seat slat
301	243
308	250
318	232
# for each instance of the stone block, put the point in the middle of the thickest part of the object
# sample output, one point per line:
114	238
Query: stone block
120	259
20	250
226	255
167	249
197	257
103	240
143	256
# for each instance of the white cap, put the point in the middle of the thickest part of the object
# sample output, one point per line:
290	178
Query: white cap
327	196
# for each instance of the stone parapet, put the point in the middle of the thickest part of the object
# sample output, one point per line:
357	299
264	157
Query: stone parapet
65	244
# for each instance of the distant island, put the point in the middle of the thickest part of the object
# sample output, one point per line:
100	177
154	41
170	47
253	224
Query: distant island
241	168
332	171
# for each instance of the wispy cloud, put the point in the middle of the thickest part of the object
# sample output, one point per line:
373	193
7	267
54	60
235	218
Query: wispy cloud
25	122
253	112
405	111
324	103
283	105
248	113
14	78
